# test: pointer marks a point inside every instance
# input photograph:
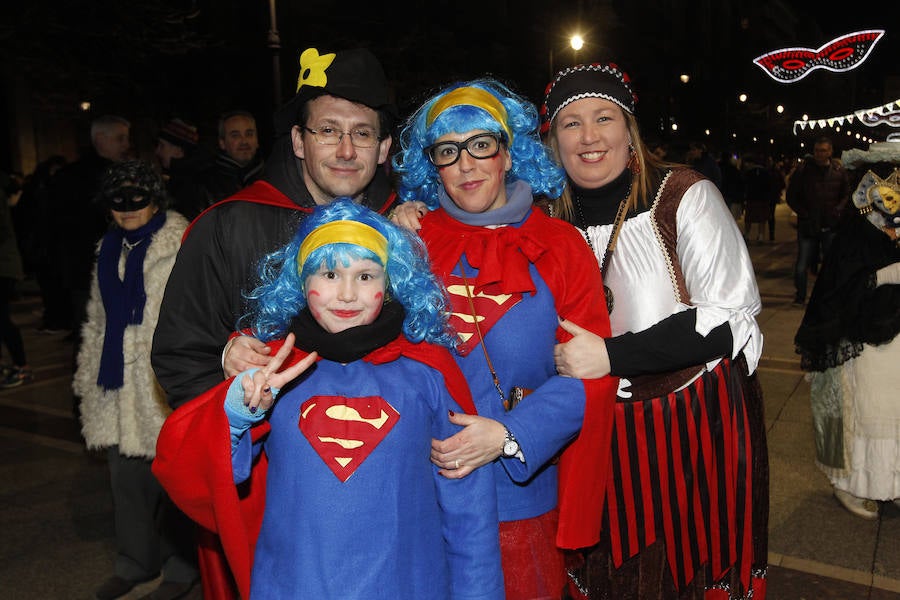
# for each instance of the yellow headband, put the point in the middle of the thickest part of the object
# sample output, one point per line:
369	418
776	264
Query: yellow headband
470	96
347	232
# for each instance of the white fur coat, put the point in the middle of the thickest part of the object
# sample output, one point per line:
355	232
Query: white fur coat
131	416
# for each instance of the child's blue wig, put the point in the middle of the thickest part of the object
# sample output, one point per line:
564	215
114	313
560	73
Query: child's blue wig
530	160
409	281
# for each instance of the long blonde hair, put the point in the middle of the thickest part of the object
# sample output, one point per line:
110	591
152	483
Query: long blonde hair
646	165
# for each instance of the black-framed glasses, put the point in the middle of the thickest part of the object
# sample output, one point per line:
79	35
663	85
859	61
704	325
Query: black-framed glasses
361	137
480	146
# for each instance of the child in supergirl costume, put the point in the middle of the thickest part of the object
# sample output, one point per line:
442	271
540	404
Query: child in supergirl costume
330	493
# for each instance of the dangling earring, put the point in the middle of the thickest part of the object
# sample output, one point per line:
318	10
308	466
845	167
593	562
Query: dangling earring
633	163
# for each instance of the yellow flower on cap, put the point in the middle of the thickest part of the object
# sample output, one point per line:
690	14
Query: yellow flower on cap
312	68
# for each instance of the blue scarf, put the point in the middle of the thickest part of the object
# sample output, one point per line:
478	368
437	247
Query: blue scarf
518	203
123	299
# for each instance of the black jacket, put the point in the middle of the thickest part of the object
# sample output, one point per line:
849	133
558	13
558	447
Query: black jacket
818	195
79	220
217	263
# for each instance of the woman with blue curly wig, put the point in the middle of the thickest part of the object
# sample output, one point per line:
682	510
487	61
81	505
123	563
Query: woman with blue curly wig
335	476
472	155
505	120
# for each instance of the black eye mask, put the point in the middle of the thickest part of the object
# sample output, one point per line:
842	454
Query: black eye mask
127	199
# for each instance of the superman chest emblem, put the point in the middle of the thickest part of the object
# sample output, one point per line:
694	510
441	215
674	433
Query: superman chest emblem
344	431
488	309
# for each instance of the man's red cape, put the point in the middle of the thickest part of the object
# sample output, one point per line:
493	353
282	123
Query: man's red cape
263	192
193	463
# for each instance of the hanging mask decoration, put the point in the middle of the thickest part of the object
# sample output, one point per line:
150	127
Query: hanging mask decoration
879	200
127	198
790	65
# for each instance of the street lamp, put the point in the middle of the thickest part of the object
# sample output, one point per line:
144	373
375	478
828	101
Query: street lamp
576	42
274	42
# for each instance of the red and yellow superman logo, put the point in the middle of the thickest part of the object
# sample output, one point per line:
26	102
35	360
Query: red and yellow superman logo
489	308
344	431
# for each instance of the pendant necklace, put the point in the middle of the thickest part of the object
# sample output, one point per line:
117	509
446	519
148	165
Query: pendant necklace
130	246
621	213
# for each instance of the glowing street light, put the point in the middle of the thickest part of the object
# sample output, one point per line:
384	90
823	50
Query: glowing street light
576	43
742	97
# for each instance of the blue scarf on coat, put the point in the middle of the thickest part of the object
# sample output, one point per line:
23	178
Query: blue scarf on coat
123	299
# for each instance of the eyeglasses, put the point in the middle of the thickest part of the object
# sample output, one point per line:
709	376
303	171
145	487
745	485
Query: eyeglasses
480	146
363	137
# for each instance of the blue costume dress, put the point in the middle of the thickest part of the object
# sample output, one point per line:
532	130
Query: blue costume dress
514	281
353	506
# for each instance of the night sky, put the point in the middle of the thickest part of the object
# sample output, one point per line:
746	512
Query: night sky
149	60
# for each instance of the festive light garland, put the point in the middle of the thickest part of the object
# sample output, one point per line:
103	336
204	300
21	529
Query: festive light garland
886	114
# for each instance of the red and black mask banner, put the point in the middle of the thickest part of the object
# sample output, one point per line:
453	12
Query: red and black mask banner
790	65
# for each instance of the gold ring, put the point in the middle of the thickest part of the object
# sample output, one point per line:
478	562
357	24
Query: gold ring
457	463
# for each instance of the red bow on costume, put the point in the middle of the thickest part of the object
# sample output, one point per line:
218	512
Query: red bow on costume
501	255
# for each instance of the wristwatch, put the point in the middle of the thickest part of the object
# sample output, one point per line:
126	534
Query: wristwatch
510	445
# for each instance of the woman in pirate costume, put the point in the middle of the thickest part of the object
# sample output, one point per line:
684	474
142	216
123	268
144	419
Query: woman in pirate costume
687	496
849	345
472	154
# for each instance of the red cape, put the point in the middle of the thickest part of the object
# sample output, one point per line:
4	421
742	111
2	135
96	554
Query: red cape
569	268
263	192
193	464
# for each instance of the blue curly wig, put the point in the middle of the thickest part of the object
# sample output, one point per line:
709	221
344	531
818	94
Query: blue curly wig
530	160
281	295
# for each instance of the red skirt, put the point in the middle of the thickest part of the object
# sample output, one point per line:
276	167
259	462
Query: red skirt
533	567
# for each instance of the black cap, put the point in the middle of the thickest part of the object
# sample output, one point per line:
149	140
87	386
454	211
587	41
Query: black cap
355	75
586	81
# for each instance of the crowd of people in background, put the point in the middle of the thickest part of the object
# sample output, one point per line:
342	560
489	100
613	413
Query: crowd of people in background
56	221
486	180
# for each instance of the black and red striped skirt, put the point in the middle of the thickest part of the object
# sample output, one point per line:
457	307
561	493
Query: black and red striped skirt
684	471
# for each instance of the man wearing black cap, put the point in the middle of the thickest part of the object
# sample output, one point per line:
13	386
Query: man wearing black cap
175	140
182	163
332	137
